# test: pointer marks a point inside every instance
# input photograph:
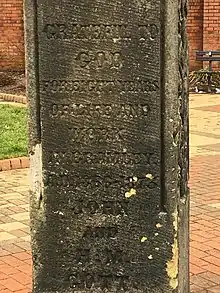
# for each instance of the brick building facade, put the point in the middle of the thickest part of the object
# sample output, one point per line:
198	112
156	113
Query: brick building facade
203	31
11	35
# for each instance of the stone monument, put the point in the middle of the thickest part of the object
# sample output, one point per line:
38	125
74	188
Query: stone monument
107	88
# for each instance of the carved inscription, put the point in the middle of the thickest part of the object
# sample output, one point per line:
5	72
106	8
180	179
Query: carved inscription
99	59
100	232
99	110
98	107
104	158
85	280
82	256
93	86
110	111
95	184
62	31
105	256
91	207
90	135
82	278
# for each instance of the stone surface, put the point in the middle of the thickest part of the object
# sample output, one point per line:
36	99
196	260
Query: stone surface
204	220
108	145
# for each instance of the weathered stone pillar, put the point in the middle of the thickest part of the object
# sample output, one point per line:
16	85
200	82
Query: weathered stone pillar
107	85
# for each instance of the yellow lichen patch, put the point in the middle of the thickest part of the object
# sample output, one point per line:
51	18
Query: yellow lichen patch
172	265
150	257
149	176
174	283
135	179
158	225
130	193
143	239
175	222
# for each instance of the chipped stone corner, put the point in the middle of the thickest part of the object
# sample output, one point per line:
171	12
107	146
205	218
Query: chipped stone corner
36	179
173	264
37	212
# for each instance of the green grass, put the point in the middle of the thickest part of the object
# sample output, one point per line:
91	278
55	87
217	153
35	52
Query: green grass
13	131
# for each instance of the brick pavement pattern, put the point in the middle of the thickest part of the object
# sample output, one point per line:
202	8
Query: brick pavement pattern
205	193
15	256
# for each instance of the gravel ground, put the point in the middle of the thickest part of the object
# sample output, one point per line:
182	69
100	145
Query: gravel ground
12	82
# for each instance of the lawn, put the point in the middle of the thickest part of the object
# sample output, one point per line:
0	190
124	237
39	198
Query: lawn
13	131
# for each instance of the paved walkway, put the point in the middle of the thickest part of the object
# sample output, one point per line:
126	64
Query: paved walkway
15	257
205	193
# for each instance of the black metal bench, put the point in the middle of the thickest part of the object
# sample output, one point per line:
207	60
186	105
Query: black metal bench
210	56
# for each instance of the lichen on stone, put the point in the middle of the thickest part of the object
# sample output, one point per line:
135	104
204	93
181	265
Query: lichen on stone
172	264
143	239
149	176
130	193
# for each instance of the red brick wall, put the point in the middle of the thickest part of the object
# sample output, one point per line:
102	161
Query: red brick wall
203	29
195	31
211	27
11	35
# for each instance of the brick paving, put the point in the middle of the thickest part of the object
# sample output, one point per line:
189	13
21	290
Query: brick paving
205	193
15	256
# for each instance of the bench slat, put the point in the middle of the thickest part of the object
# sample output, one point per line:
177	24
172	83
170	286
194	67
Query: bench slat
207	58
201	53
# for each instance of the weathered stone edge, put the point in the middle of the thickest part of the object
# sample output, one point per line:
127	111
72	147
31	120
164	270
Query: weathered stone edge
14	163
13	98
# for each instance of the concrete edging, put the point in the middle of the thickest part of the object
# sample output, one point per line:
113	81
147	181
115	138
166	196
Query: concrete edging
14	163
13	98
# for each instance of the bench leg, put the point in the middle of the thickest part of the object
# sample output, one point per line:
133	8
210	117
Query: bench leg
209	82
210	77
